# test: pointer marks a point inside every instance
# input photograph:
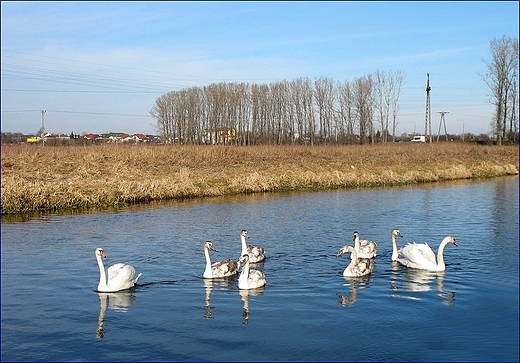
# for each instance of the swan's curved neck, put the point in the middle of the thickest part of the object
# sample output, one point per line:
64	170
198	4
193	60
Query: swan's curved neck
244	275
102	274
244	244
357	245
354	254
207	271
354	260
395	254
440	255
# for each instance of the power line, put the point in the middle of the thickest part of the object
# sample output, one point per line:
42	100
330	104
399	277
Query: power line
130	70
69	91
80	112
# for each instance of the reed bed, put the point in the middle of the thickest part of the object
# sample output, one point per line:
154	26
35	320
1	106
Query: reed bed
36	178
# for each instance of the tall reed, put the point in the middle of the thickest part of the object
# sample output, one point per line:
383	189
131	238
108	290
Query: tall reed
36	178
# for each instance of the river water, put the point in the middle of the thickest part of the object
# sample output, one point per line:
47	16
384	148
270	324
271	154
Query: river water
306	312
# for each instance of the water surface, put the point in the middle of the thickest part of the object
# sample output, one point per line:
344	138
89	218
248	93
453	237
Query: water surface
307	311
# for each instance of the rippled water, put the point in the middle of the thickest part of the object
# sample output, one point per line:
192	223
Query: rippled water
307	311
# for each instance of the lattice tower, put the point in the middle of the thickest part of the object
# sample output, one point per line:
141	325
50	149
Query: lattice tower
428	120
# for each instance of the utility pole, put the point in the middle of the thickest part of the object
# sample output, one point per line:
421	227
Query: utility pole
43	128
443	121
428	121
462	130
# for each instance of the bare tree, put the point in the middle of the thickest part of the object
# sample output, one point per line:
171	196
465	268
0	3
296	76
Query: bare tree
501	77
280	111
310	125
194	115
301	105
243	113
513	119
163	112
324	96
345	110
396	83
387	90
363	102
382	101
259	112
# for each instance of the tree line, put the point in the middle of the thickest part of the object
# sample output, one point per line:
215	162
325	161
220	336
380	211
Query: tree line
285	112
303	111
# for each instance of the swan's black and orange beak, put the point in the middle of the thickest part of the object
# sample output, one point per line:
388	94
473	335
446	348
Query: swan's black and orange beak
102	254
455	243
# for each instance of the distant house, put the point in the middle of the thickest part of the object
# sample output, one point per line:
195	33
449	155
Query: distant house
139	137
222	136
91	136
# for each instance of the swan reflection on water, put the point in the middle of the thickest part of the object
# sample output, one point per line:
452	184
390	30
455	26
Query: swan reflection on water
244	294
117	301
355	283
414	280
209	284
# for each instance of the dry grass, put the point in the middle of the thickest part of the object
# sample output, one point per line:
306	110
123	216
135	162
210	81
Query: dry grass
36	178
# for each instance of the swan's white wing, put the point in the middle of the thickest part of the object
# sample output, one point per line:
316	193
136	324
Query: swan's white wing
417	255
120	276
114	270
426	251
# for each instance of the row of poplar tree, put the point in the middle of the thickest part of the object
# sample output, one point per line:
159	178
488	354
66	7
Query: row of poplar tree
285	112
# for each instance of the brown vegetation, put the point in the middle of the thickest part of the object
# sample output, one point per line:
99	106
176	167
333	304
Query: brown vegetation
36	178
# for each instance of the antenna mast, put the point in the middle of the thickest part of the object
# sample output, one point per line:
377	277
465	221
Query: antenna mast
428	121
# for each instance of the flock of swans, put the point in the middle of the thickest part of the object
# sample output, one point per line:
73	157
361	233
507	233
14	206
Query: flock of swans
249	278
121	276
413	255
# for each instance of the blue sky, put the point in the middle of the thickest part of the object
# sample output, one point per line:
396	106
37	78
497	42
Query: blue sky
99	66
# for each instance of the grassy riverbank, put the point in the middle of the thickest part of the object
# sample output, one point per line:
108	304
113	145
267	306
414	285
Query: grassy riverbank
36	178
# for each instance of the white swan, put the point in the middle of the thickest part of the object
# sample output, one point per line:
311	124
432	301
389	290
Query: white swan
256	253
224	268
395	251
421	256
364	247
249	278
358	266
120	276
